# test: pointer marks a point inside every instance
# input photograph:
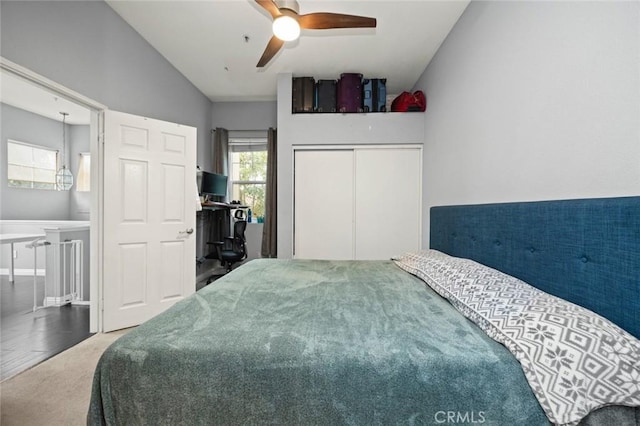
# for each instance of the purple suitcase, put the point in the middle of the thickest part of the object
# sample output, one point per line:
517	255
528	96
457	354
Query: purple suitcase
349	93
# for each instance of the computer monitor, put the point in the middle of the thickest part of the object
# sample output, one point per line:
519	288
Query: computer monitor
213	184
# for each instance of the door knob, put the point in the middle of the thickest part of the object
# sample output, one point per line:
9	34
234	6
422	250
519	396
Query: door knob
189	231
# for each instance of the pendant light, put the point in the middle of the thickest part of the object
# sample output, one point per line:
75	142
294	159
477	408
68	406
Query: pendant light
64	177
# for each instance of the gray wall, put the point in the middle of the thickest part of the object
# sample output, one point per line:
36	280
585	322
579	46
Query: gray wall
17	203
87	47
31	204
242	116
245	115
532	101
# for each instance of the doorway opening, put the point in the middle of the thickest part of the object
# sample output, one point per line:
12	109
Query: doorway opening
37	324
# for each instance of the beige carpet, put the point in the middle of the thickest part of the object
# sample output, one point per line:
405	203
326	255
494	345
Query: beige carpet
57	391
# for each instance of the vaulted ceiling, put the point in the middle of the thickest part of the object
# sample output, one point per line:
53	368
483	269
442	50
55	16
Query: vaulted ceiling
216	44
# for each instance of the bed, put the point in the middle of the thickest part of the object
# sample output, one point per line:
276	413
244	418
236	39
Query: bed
369	342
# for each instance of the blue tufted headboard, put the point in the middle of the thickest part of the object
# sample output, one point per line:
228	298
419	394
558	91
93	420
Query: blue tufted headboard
585	251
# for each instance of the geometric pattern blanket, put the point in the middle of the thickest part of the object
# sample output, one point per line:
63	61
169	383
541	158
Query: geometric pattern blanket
574	360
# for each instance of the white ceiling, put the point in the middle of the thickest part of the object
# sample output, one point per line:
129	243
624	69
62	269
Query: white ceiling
19	93
205	41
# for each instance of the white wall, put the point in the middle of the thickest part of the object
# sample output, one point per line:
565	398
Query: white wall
534	101
330	129
79	202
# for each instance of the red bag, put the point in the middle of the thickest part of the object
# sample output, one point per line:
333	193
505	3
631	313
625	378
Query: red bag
406	101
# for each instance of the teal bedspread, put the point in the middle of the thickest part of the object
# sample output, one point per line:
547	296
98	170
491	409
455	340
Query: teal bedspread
311	342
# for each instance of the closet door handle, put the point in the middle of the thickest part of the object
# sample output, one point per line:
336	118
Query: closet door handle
189	231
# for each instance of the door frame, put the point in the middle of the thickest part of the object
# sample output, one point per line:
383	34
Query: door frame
96	135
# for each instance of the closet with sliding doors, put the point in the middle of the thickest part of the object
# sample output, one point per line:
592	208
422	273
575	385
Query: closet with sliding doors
357	202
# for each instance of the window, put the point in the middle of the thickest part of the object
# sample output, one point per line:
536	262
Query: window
31	166
84	173
248	172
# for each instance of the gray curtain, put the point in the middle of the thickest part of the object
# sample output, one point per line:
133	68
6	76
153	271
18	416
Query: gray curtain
221	151
269	230
217	221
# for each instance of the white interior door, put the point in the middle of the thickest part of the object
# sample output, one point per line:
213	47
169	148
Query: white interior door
149	217
388	202
323	204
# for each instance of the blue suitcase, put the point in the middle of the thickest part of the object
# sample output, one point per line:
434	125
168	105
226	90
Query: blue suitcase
374	94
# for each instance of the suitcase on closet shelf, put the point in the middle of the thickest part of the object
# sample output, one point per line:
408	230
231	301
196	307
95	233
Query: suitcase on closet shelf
349	92
325	96
374	94
302	94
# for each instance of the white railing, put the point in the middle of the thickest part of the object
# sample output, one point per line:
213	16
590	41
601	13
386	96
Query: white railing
66	285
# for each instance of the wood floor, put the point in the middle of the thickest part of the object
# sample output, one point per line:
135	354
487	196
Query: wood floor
28	338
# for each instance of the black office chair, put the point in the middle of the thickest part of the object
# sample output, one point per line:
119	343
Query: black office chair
232	249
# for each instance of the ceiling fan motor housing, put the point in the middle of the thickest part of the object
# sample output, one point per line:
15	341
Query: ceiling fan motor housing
288	4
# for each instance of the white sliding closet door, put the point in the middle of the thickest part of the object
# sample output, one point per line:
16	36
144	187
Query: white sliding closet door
359	202
388	202
323	205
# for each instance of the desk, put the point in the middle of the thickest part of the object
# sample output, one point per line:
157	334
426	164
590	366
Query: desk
214	205
17	238
213	223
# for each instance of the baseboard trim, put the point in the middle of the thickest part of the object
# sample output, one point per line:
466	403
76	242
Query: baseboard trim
58	301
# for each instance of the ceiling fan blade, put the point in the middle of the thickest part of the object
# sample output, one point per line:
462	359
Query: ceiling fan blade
325	21
275	44
270	7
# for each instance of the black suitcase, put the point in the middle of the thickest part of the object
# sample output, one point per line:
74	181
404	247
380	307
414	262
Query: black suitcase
374	94
325	96
302	94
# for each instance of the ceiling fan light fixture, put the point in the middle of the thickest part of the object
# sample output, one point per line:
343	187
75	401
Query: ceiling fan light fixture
287	23
286	28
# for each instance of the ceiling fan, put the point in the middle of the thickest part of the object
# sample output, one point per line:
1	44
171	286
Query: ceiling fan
287	23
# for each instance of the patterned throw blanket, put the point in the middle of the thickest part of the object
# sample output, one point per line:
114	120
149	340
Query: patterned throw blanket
575	360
